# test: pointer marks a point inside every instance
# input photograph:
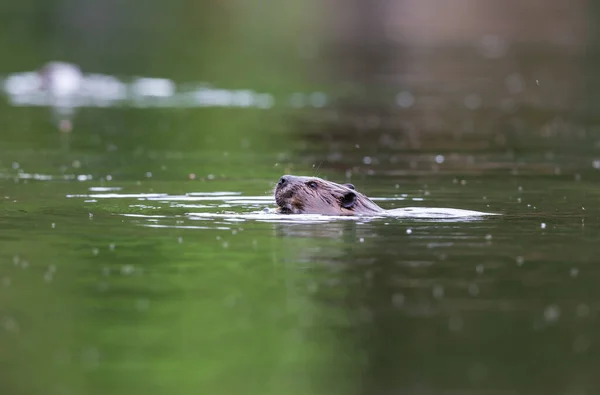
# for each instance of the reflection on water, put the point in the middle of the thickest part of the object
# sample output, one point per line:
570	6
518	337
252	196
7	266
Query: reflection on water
63	86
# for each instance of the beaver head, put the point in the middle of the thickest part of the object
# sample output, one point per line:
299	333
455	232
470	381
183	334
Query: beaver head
312	195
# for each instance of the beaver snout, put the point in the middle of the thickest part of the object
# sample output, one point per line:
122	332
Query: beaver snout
284	191
287	179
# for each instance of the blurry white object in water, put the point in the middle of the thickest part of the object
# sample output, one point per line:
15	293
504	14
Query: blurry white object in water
435	213
61	79
62	82
155	87
64	87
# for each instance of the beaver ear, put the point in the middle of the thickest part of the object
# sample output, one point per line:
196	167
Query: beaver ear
351	186
348	200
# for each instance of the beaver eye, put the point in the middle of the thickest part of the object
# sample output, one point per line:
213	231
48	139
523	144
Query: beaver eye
312	184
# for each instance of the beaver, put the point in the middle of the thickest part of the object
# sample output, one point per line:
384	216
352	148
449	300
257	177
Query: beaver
313	195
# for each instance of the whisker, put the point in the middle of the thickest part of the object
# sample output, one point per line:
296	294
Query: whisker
316	171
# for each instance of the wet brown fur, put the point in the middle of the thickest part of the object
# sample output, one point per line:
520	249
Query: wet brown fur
313	195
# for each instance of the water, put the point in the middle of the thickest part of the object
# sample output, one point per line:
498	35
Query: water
111	286
136	254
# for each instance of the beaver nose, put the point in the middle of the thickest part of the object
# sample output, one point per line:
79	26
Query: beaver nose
282	181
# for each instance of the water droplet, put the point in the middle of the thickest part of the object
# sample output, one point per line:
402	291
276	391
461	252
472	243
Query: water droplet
95	251
15	165
583	310
557	171
148	174
111	246
473	289
520	260
405	99
397	299
10	324
318	99
180	240
76	164
408	231
439	159
543	225
210	176
127	270
225	244
514	83
53	225
108	177
552	313
473	101
488	237
438	292
361	240
48	276
367	160
455	323
142	304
